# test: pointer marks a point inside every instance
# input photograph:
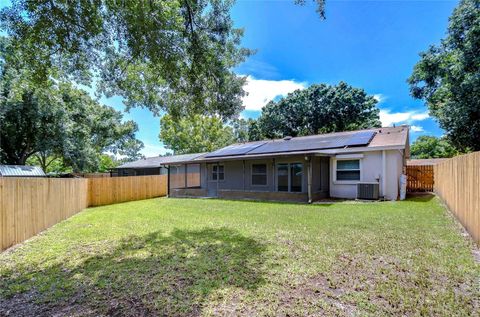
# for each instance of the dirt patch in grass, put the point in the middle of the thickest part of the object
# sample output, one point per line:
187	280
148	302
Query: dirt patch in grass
361	285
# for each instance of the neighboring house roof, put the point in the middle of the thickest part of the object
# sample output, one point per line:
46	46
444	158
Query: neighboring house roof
416	162
21	171
157	161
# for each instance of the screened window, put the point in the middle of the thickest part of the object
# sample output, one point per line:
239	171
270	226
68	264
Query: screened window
296	171
282	177
218	172
177	176
259	174
348	170
193	175
289	177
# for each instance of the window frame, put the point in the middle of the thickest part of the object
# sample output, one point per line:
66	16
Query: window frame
289	175
214	166
348	181
252	174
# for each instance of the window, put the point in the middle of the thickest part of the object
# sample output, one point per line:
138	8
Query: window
282	177
290	177
296	171
348	170
218	174
259	174
193	175
177	176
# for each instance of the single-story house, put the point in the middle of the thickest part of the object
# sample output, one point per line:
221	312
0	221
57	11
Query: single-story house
21	171
150	165
364	164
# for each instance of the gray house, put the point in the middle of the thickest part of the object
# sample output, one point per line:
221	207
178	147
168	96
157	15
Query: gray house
355	164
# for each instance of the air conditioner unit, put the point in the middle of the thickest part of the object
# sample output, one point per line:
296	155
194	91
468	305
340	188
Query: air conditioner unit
368	191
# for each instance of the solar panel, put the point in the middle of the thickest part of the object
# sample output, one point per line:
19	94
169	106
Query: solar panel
360	138
303	144
236	149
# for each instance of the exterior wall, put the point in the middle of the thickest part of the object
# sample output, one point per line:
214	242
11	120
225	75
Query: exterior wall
188	192
139	171
236	179
263	195
371	171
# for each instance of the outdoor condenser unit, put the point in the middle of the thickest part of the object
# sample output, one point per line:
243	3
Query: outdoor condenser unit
368	191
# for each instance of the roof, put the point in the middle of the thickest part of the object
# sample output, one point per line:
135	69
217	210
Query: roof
327	144
423	162
21	171
157	161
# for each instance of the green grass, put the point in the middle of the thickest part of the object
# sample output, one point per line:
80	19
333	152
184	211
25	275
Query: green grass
191	257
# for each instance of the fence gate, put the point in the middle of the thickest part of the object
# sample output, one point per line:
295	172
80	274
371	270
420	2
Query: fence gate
420	178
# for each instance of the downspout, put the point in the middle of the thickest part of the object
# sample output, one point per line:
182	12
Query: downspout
384	174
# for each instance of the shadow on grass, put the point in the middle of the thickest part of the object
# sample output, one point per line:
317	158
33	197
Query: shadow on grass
420	197
174	275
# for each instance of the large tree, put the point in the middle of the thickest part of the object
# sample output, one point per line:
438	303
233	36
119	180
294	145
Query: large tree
195	134
447	77
319	109
174	55
56	120
426	147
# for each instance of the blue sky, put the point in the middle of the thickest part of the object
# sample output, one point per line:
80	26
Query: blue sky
368	44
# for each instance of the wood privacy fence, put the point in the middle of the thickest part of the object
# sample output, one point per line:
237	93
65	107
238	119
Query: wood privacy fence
31	205
457	182
420	178
111	190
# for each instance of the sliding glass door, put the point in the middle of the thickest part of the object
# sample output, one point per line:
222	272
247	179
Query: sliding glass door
289	177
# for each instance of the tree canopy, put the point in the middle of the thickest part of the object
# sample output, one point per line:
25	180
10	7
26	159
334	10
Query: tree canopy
447	77
175	55
318	109
194	134
56	120
425	147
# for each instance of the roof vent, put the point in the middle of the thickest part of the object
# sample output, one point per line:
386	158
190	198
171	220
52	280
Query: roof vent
287	138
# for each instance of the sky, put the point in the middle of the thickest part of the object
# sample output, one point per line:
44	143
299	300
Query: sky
368	44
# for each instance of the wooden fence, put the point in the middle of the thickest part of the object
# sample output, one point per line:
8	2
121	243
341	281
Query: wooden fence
111	190
31	205
457	182
420	178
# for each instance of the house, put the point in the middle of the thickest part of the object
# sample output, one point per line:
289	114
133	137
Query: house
21	171
301	169
150	165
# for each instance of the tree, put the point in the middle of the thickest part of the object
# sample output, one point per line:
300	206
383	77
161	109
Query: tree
319	109
426	147
175	55
447	77
55	120
246	130
194	134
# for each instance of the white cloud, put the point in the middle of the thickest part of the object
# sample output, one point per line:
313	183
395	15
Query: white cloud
390	118
261	91
417	128
420	116
380	98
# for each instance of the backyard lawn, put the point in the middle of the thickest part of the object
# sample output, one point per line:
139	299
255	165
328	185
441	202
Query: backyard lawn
194	257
